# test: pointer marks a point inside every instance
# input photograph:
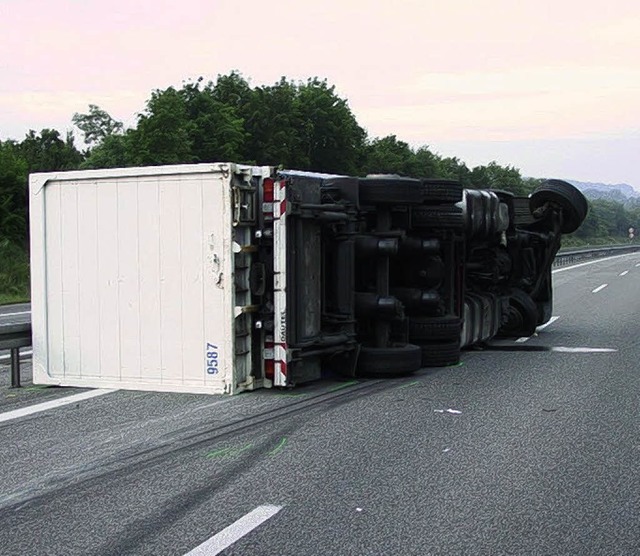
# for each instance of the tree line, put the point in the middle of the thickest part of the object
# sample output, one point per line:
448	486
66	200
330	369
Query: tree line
300	125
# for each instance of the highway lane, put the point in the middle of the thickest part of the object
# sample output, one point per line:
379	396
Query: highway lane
519	450
15	313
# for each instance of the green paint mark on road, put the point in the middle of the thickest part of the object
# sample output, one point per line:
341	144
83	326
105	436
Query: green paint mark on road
35	388
216	453
278	448
408	384
343	385
290	395
230	451
240	450
461	364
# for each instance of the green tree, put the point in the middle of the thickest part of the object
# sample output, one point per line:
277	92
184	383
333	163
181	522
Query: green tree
164	131
13	193
331	139
388	155
47	151
216	131
114	151
454	169
96	125
273	126
494	176
232	90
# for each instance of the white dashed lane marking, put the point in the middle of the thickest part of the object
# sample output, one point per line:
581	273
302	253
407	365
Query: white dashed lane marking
624	273
235	531
599	288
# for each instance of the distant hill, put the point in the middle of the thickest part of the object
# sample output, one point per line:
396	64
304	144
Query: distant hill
621	192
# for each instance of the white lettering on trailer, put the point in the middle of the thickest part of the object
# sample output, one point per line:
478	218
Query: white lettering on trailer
211	356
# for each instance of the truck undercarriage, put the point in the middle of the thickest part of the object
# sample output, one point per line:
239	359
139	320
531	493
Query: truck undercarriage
386	275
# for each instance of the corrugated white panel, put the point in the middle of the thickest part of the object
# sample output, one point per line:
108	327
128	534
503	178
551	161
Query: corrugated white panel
53	253
170	282
88	297
150	311
218	286
108	321
137	271
192	239
70	290
128	278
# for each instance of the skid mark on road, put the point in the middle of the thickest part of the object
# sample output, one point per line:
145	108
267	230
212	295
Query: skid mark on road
343	385
408	384
278	448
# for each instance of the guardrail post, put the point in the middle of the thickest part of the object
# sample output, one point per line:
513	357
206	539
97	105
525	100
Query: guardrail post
15	367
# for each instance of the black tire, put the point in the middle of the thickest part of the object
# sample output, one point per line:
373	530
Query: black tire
545	312
423	329
393	361
573	203
437	217
442	191
544	300
522	316
390	191
440	355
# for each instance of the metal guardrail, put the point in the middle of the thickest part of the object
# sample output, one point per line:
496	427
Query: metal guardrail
13	337
576	255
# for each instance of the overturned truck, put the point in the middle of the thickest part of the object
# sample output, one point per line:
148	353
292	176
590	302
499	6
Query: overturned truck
223	277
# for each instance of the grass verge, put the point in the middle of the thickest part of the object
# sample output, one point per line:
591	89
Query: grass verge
14	273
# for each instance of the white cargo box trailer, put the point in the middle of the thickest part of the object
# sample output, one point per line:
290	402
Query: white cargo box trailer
140	279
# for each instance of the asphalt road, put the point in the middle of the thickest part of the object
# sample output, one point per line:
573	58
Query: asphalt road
15	314
527	447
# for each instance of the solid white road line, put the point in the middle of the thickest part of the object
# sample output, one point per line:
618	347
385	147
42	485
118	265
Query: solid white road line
14	314
624	273
548	323
582	349
592	262
8	355
235	531
599	288
24	411
541	327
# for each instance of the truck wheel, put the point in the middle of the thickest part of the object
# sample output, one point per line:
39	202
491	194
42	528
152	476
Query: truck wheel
389	362
442	191
437	217
522	316
391	191
435	328
573	203
545	311
441	355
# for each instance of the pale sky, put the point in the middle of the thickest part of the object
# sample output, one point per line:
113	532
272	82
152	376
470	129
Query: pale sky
549	86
